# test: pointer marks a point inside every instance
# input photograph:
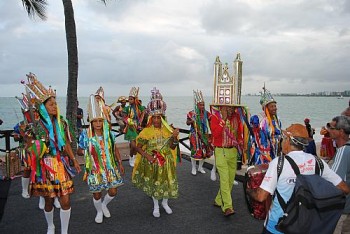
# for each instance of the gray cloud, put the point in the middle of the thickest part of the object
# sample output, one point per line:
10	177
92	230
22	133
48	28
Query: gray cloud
293	46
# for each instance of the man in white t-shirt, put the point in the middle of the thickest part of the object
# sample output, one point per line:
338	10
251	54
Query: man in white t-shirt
294	139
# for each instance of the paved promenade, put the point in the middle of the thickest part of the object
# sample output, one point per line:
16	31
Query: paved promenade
131	211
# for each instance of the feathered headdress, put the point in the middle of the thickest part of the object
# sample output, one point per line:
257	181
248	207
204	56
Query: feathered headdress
156	104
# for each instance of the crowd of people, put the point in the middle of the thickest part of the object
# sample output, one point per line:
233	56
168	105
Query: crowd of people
226	132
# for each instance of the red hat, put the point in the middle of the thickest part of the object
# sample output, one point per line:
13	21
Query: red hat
306	120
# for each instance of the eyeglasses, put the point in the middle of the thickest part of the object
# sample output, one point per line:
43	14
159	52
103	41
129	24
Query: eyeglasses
328	126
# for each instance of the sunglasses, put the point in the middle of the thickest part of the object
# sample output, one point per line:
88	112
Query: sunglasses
328	126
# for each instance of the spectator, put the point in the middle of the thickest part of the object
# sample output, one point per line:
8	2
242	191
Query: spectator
339	130
118	113
294	139
311	147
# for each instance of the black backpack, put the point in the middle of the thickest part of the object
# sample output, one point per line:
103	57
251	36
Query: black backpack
315	205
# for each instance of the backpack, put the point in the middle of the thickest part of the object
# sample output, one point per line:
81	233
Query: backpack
315	205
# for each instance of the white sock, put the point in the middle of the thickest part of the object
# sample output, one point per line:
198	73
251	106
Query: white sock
200	167
57	203
41	202
49	220
166	207
65	217
107	199
193	163
98	206
156	212
25	184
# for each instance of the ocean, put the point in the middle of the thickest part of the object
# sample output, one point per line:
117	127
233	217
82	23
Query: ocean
319	110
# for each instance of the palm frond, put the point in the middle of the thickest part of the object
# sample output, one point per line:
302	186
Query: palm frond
35	7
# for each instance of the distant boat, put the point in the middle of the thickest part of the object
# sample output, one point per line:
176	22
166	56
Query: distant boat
341	97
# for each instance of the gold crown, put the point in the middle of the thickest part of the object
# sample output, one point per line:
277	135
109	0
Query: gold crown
198	96
39	91
134	92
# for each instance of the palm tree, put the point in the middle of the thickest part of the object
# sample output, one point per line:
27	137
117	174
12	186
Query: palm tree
37	8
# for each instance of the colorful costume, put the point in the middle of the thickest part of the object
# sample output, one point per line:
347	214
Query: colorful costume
157	179
51	174
200	141
134	116
229	129
270	125
260	145
101	158
101	167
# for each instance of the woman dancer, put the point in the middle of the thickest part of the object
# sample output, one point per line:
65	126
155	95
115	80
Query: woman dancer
155	165
102	159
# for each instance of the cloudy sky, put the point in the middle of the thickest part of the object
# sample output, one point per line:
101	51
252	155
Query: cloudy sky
299	46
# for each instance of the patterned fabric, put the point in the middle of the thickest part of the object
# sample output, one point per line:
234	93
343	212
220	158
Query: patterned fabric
133	121
272	128
201	147
49	164
155	180
101	168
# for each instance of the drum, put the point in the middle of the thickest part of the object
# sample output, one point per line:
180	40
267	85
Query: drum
253	178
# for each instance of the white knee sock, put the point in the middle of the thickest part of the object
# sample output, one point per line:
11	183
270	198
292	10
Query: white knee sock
49	220
65	217
98	206
166	207
41	202
193	163
107	199
156	212
25	184
200	167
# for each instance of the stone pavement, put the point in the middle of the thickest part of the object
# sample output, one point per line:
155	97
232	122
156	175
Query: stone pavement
193	211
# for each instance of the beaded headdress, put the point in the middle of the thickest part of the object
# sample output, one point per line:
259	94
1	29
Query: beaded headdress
266	97
134	92
198	96
95	109
156	104
100	92
39	91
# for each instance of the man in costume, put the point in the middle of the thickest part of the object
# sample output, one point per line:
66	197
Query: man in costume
134	113
102	159
155	166
270	124
200	141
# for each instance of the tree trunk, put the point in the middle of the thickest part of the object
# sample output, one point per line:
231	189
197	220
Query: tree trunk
72	49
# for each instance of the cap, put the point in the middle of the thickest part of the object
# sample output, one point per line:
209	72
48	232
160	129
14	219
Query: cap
122	99
296	130
306	120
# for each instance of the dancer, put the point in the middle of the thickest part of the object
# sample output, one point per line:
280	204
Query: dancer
51	174
270	124
102	159
155	165
200	141
23	130
134	116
